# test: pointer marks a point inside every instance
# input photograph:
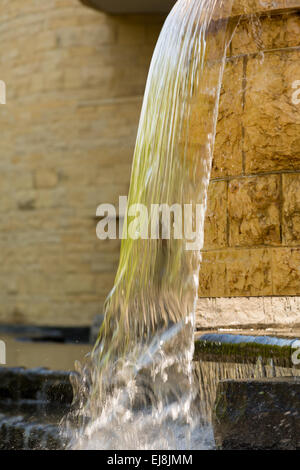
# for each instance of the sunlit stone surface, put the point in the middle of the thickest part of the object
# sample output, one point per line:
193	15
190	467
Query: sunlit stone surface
252	237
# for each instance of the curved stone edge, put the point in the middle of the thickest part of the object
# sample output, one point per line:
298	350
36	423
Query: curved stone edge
239	8
123	7
246	349
249	7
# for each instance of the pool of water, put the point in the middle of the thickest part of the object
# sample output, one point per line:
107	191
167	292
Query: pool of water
34	423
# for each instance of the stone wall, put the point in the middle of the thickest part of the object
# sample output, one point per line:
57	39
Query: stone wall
75	80
252	232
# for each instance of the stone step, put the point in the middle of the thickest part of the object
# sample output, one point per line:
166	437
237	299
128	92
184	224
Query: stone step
46	386
39	385
32	404
33	401
23	432
258	414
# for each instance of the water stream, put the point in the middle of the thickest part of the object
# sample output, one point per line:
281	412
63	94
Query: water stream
138	388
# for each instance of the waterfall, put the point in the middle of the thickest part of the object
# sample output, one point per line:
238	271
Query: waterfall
137	391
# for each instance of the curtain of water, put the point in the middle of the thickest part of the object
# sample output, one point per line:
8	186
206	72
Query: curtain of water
137	391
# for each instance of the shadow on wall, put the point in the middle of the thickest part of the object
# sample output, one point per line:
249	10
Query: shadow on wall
131	6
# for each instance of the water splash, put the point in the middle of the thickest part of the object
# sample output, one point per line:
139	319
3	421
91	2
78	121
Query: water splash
138	389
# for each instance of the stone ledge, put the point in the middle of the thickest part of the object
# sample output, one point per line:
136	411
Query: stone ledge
40	385
247	311
19	433
258	414
239	8
246	349
131	6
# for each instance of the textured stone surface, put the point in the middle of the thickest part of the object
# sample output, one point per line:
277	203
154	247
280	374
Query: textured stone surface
257	414
212	281
250	272
246	7
254	212
291	209
257	154
216	216
203	106
247	311
256	6
46	178
228	145
235	273
265	33
286	271
271	119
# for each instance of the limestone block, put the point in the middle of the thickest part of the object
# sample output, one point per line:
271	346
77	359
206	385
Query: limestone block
227	158
291	4
216	216
228	273
271	119
232	311
292	31
247	7
212	276
286	271
291	209
248	272
243	311
47	40
241	7
14	179
46	178
36	308
256	34
254	215
203	106
92	34
79	283
50	198
218	36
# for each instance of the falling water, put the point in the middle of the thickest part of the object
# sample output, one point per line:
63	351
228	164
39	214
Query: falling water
138	390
